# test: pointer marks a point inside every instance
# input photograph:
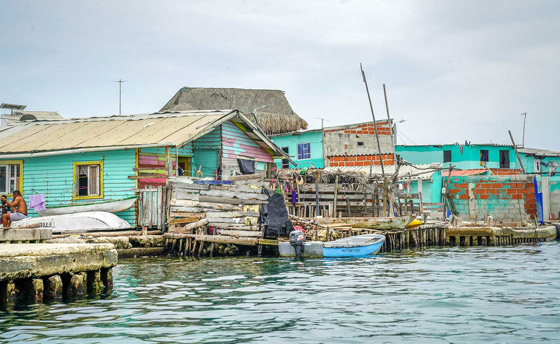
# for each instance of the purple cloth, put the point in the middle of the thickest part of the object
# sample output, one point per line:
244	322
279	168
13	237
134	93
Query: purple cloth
294	197
37	202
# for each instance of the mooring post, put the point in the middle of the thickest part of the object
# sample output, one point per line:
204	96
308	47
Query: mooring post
107	278
94	283
53	288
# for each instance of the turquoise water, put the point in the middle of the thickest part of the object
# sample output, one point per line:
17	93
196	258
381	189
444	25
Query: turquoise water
446	295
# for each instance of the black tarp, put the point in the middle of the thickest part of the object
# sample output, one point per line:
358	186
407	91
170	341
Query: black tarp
246	166
275	218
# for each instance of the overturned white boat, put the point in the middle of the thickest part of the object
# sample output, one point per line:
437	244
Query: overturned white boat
112	206
92	221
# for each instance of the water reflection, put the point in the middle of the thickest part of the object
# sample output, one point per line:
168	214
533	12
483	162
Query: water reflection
435	295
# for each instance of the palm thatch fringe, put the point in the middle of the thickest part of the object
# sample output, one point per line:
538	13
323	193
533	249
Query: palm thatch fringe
276	118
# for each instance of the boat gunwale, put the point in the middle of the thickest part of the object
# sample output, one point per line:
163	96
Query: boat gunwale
91	203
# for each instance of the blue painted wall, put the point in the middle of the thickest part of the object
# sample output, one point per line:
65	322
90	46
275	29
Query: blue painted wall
291	140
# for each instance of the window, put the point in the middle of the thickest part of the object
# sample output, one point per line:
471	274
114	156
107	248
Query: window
360	143
88	180
447	156
286	162
504	159
484	155
304	151
10	176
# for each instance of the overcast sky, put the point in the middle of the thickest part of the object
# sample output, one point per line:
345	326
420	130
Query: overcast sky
454	70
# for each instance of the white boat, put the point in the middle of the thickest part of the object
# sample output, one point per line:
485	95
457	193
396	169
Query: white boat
111	206
92	221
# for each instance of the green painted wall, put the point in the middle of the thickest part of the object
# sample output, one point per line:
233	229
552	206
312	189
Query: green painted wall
53	177
291	140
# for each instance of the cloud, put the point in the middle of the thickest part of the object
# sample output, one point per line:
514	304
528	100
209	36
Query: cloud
454	70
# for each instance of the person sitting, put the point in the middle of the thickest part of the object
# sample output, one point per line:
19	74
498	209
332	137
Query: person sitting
5	208
18	207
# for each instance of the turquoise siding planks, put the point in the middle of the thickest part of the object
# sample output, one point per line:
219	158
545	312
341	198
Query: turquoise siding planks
205	153
53	177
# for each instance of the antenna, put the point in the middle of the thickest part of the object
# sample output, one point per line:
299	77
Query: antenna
322	121
120	94
524	119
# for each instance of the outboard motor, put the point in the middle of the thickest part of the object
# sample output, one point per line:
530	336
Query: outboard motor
297	239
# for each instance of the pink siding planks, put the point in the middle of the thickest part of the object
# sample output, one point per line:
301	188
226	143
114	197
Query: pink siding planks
236	143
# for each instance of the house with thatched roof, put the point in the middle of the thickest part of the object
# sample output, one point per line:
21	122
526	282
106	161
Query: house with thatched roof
272	111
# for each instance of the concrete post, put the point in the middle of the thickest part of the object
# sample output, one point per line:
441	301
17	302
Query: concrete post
107	278
94	283
76	287
7	292
545	188
53	288
34	290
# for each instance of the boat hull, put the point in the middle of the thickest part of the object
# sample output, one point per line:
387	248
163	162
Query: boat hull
115	206
357	246
75	223
345	252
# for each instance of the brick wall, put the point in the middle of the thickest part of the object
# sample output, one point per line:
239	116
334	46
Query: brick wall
361	160
383	128
504	197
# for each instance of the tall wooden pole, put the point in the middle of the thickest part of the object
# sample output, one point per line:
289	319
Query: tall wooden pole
516	152
374	123
389	119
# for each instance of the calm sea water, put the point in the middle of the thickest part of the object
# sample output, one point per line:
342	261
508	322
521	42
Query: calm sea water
447	295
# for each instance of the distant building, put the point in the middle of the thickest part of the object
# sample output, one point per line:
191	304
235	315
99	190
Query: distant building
273	112
340	146
23	116
479	158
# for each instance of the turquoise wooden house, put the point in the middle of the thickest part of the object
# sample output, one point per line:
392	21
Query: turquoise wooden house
105	158
304	147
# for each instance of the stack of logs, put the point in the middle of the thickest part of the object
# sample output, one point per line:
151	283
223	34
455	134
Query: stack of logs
222	214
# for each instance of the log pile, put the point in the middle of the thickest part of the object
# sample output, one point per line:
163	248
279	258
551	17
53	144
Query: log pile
225	213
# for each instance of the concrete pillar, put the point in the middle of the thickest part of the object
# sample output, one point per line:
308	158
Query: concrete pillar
545	188
76	286
7	292
94	283
53	288
107	278
34	289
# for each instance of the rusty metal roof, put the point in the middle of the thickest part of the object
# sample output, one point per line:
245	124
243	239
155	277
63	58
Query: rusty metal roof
158	129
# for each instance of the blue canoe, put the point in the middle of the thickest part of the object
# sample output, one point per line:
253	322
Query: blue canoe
356	246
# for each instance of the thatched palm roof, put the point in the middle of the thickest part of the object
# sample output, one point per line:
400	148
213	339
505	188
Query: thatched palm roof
278	117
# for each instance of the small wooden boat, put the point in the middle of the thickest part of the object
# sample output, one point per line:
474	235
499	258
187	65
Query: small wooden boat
92	221
356	246
111	206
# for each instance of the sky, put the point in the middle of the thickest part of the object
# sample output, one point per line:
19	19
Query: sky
454	70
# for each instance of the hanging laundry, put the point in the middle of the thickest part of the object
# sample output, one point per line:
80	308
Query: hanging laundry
37	202
294	197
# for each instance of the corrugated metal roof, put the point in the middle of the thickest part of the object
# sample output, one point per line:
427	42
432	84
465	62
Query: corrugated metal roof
173	129
31	115
422	172
538	152
472	172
